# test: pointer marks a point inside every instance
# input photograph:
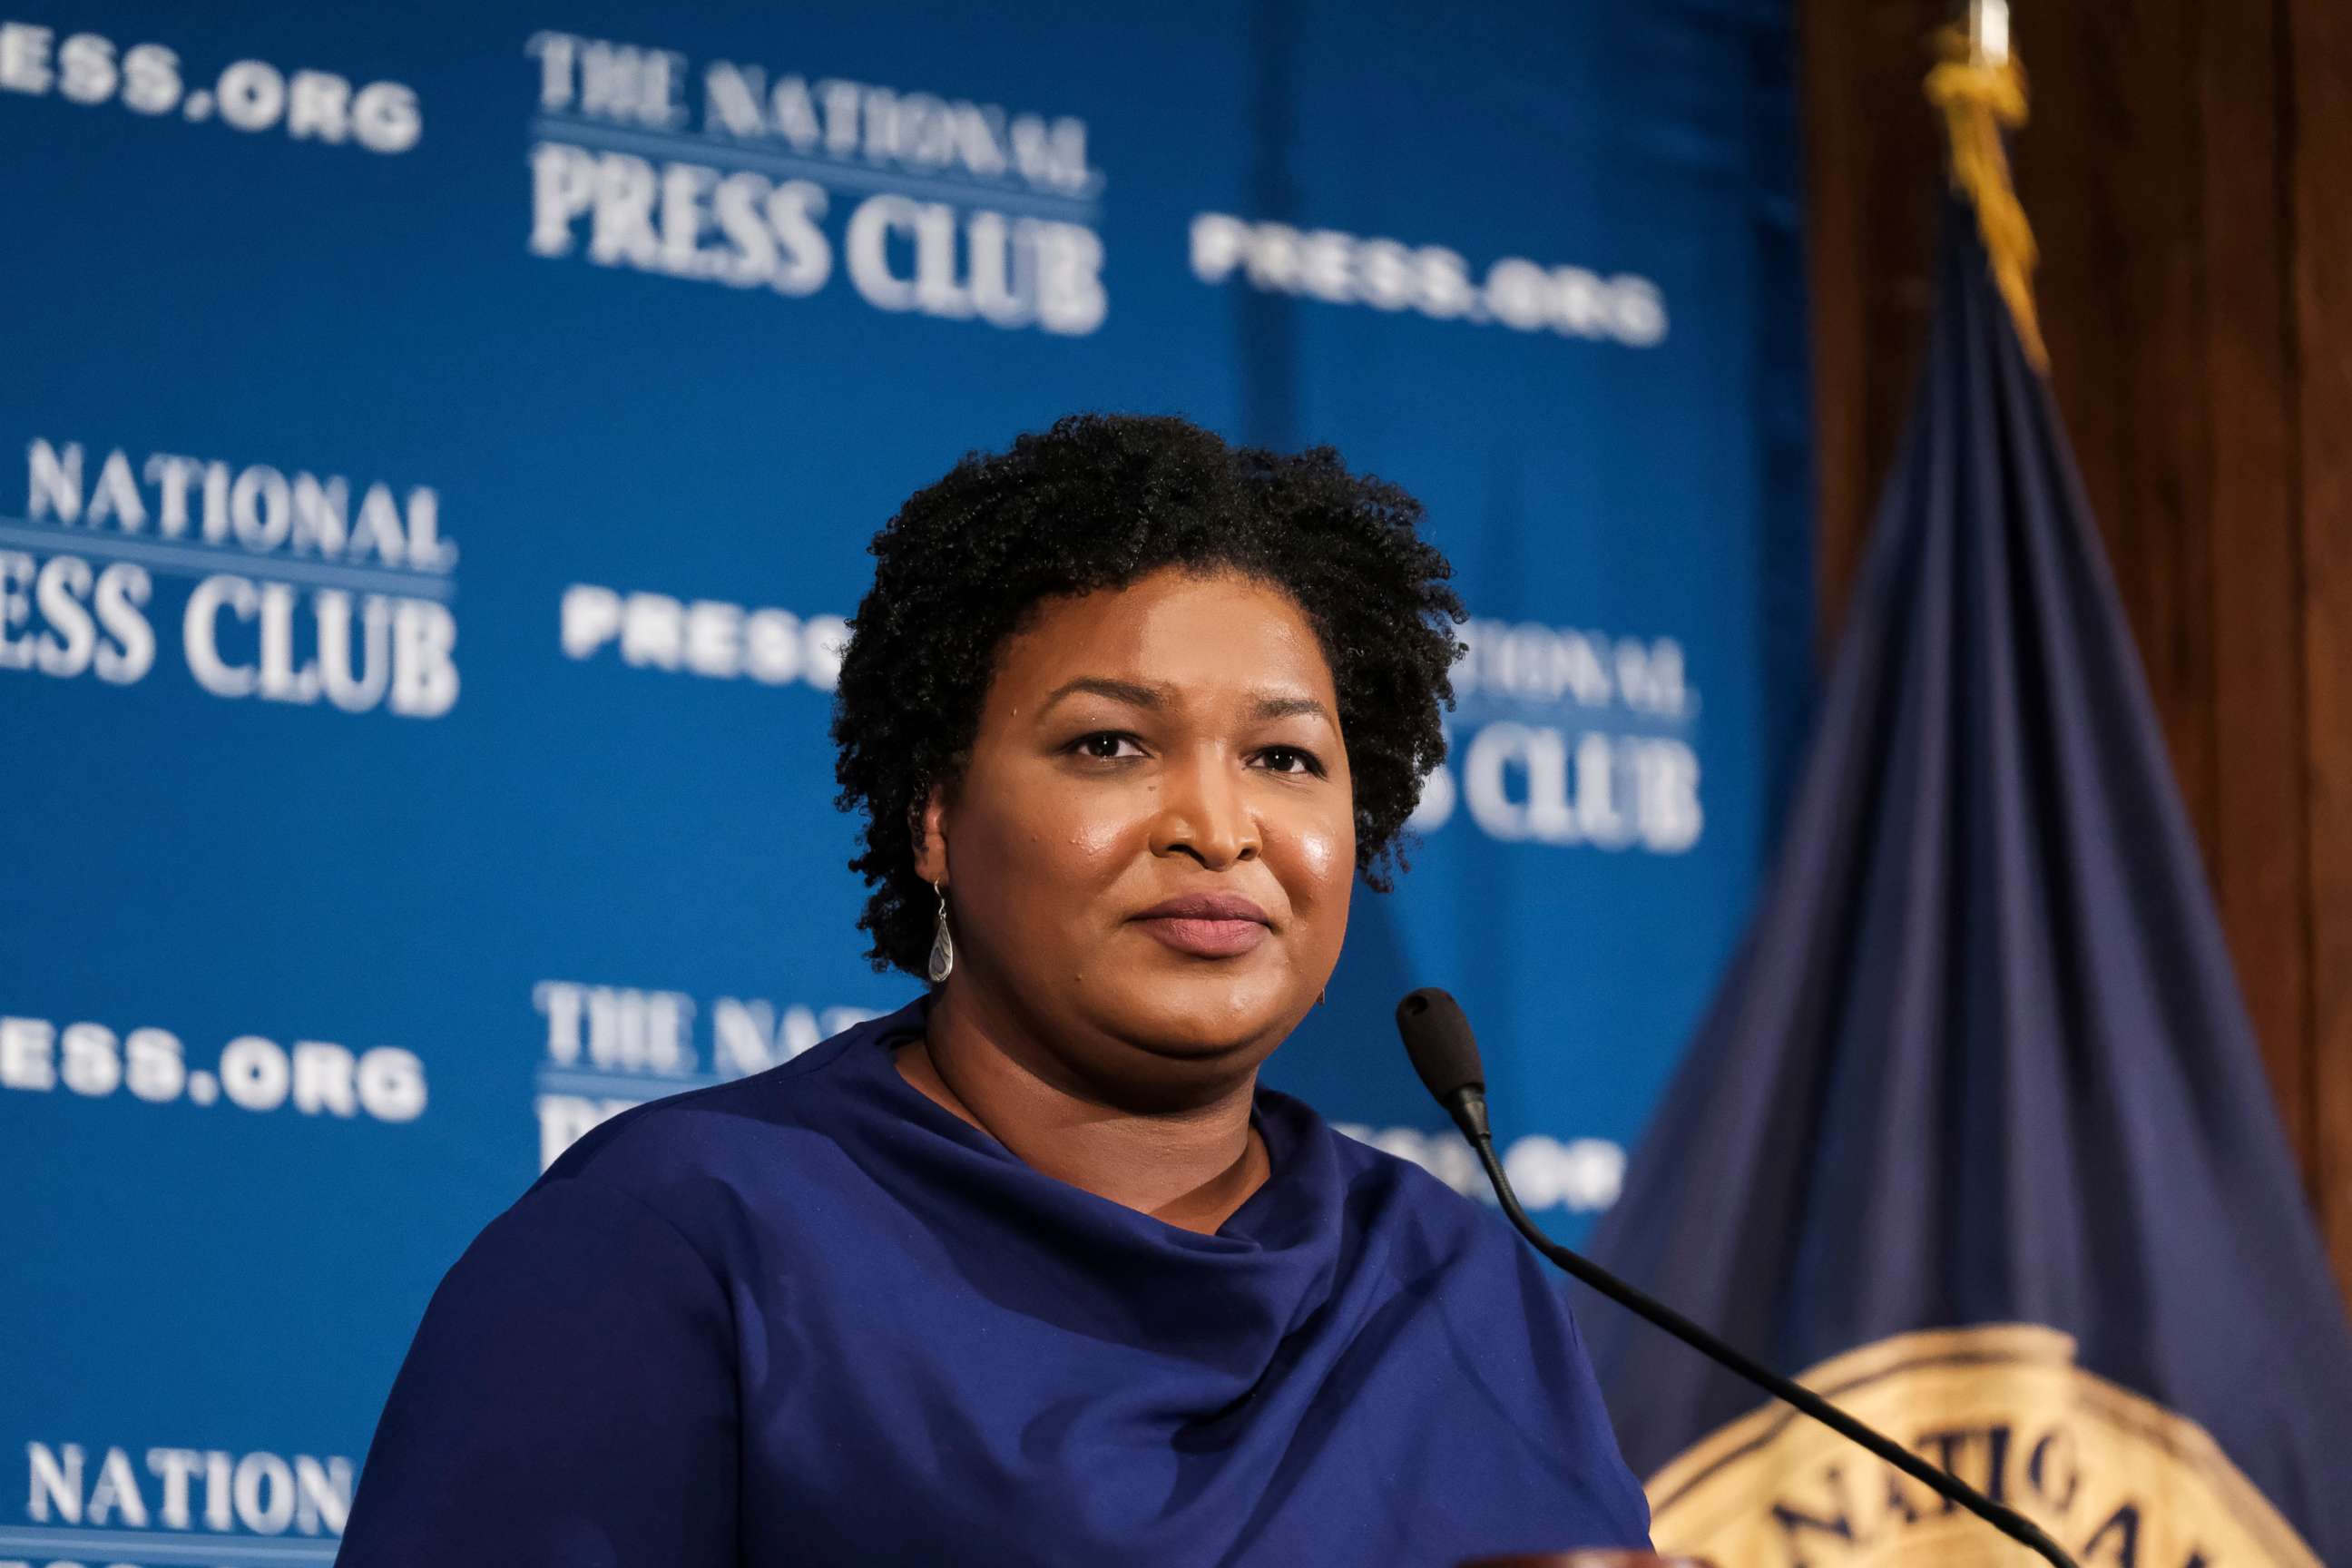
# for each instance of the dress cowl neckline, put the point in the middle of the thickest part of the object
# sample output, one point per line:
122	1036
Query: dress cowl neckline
1091	1265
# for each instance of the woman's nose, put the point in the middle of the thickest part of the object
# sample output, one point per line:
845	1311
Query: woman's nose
1204	813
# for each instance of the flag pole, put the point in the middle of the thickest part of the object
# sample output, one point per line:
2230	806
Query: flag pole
1989	32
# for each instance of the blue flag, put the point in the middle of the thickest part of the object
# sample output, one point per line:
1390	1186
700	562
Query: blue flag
1975	1136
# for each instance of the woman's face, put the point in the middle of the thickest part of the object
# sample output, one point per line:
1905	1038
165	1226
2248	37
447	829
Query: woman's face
1150	855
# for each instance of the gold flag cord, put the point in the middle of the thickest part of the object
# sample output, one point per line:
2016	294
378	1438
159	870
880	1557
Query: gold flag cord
1980	99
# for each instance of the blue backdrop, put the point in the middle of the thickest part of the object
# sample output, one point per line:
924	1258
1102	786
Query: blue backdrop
436	448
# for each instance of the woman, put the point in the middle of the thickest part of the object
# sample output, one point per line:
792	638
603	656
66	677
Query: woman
1033	1271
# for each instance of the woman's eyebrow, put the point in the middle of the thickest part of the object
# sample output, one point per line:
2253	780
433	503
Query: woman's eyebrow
1271	707
1133	693
1136	694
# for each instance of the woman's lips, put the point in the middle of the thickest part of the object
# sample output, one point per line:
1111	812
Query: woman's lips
1206	938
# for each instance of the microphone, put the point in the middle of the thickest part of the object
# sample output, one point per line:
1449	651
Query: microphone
1445	1054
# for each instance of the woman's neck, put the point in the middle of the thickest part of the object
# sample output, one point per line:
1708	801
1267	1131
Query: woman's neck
1190	1168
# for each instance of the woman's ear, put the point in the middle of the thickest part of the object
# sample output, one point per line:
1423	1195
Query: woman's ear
931	837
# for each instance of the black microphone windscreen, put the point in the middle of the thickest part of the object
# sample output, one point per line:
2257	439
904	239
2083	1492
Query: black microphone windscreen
1438	1039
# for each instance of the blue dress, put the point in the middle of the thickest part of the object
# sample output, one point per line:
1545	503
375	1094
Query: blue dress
812	1318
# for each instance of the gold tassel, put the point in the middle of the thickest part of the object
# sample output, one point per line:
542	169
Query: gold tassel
1979	100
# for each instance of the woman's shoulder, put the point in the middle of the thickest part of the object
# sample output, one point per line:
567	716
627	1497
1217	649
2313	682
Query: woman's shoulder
745	1143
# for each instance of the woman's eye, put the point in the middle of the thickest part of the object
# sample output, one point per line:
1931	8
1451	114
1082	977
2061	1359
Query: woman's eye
1290	760
1109	743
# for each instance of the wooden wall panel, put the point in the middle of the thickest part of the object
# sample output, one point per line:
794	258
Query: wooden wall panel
2249	425
2118	117
1868	247
2322	144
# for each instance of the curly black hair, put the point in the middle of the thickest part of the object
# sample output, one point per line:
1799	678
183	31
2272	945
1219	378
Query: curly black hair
1098	502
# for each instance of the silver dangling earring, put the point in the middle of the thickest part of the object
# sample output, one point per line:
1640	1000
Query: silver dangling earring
943	963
